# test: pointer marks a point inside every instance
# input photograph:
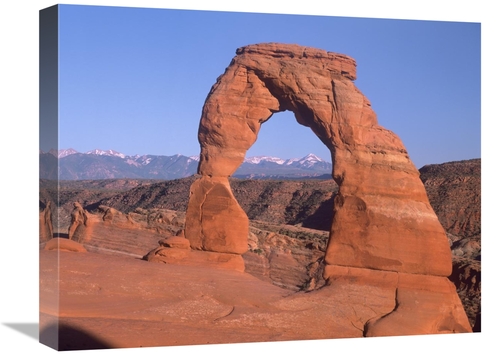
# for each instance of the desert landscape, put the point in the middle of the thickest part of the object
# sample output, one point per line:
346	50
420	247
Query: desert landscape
382	249
109	293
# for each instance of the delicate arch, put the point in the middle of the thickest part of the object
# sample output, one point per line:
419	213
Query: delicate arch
382	216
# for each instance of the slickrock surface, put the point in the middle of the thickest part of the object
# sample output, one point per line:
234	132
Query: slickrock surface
113	301
110	297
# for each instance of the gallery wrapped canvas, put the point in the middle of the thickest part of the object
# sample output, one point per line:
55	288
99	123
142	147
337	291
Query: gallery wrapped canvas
204	183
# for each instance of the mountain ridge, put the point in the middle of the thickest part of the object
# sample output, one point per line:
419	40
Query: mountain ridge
108	164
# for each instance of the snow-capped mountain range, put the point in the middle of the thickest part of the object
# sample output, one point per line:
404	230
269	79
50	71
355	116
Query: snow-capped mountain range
310	159
104	164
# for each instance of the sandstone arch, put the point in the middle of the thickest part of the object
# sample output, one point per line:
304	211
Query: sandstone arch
382	216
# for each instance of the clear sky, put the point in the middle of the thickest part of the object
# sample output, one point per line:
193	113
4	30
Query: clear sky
135	79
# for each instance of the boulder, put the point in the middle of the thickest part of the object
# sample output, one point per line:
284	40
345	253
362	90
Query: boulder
64	245
175	242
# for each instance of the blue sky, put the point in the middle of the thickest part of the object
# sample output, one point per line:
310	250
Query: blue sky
135	79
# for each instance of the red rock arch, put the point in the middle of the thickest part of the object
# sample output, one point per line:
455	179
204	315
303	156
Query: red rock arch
382	216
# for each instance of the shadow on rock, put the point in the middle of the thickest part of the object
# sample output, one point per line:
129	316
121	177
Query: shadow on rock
322	218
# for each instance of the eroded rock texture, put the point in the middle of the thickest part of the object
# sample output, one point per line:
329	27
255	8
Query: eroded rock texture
382	217
215	221
79	223
46	229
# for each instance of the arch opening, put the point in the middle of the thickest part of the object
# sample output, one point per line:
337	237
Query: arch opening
280	136
298	189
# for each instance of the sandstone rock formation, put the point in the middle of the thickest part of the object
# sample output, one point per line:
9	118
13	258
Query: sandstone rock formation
46	227
64	244
108	213
177	250
287	256
78	224
382	220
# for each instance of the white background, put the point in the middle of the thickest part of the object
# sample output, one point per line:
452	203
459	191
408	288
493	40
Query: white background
19	173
